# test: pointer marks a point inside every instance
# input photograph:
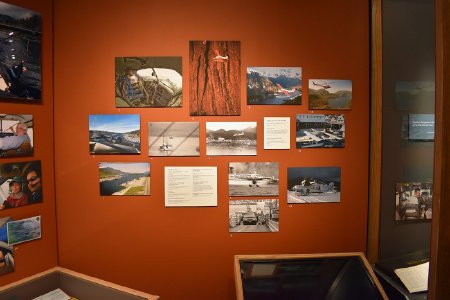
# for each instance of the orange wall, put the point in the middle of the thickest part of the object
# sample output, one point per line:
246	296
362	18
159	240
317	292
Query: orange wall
39	255
187	253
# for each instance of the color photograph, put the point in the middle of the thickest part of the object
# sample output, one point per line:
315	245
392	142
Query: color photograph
413	201
20	52
259	215
24	230
320	131
253	179
114	134
214	78
6	258
148	81
330	94
274	85
20	184
124	179
314	185
16	135
415	95
173	139
230	138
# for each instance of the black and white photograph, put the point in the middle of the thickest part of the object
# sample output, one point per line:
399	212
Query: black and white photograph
124	179
173	139
148	81
253	179
24	230
20	52
274	85
413	201
259	215
320	131
114	134
20	184
230	138
314	185
16	135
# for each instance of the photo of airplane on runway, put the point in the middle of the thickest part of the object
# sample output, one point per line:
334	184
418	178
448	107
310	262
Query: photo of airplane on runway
114	134
320	131
20	53
314	185
253	179
274	86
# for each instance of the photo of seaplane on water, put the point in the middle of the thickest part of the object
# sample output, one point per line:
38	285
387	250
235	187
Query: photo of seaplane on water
230	138
127	179
253	215
274	85
173	139
20	52
320	131
253	179
314	185
330	94
114	134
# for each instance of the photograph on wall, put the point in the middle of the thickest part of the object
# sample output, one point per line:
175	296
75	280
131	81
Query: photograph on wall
259	215
421	127
415	95
16	135
331	94
114	134
190	186
24	230
173	139
413	201
6	251
148	81
230	138
274	85
20	52
320	131
215	78
124	178
277	133
253	179
20	184
314	185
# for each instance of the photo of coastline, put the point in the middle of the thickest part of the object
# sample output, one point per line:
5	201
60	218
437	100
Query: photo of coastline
148	81
253	179
274	85
260	215
24	230
214	78
314	185
230	138
330	94
124	179
173	139
16	135
320	131
114	134
20	51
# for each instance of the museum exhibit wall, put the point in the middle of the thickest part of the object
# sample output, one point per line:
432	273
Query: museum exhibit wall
187	252
41	254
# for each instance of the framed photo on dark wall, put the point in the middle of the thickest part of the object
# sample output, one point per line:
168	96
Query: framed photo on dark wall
20	53
16	135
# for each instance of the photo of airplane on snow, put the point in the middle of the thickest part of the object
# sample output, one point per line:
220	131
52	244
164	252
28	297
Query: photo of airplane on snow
253	179
320	131
274	85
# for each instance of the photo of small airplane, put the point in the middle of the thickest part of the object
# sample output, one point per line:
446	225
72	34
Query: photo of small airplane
219	58
324	85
